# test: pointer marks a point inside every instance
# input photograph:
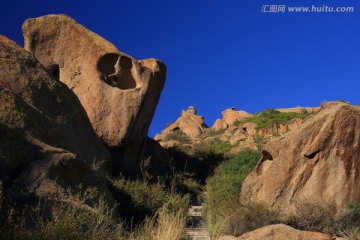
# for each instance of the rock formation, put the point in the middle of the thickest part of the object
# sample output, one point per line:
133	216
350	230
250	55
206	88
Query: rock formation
299	109
118	92
47	143
230	128
188	123
230	116
279	232
318	161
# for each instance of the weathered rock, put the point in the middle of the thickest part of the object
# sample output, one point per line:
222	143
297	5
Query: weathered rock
230	116
219	124
317	161
299	109
278	232
47	143
189	123
119	93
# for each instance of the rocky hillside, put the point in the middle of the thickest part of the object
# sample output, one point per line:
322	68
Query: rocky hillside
239	129
75	112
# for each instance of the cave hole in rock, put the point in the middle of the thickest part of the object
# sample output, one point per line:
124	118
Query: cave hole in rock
312	155
116	71
54	71
265	162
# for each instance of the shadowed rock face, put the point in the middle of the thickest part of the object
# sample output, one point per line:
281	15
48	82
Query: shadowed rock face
47	143
119	93
318	161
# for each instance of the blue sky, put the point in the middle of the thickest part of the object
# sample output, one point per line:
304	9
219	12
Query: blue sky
222	54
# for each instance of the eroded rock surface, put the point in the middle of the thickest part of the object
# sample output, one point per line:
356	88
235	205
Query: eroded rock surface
119	93
188	123
279	232
318	161
47	143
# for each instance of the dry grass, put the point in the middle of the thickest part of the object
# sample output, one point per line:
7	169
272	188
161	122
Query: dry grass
351	233
63	221
313	216
242	218
168	223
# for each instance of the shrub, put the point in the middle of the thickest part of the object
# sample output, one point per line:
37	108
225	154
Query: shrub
168	223
352	233
178	135
270	116
227	181
143	195
326	217
243	218
209	132
62	221
199	162
314	216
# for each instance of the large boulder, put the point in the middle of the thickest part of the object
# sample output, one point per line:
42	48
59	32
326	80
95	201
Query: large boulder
317	161
280	232
119	93
47	144
230	116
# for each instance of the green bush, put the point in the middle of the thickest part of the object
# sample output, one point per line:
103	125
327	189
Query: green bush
223	188
270	116
178	135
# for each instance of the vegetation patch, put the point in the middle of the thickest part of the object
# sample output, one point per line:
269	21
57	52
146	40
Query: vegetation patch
270	116
179	136
227	181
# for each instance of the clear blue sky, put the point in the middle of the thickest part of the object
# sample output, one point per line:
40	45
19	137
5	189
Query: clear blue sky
222	54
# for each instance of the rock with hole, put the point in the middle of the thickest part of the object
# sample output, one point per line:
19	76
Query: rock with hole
119	93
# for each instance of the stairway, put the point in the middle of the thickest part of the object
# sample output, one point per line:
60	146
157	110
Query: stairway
195	229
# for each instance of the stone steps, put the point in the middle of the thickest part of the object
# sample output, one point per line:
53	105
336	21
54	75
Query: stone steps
195	229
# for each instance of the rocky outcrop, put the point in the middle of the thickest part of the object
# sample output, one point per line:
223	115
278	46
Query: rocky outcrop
236	128
230	116
118	92
317	161
47	143
279	232
188	123
299	109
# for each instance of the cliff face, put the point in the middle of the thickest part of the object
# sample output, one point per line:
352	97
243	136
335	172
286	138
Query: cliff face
47	143
318	161
119	93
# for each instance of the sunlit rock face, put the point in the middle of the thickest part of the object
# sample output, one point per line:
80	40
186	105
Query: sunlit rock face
319	161
119	93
